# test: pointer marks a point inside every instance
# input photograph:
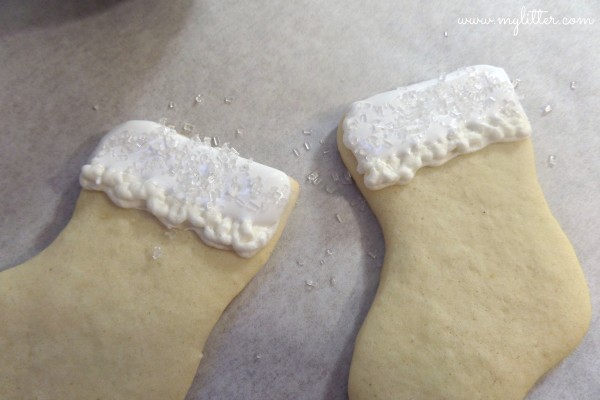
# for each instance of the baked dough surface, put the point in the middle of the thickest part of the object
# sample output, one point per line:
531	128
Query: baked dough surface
94	316
480	293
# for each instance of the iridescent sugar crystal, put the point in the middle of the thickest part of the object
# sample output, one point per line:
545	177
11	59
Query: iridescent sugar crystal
188	128
314	178
310	283
547	109
229	201
395	133
331	188
157	252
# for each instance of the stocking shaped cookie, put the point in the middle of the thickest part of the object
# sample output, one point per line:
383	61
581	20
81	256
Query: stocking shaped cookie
120	305
480	291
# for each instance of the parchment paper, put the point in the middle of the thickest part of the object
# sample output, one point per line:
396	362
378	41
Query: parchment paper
71	70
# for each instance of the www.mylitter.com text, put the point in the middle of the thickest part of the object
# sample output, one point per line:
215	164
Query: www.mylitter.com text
526	17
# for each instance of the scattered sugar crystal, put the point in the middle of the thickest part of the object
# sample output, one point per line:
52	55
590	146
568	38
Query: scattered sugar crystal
322	262
331	188
347	178
307	131
310	283
546	110
332	281
257	356
253	206
239	131
446	34
171	105
228	100
215	141
339	218
551	160
96	107
573	85
329	252
157	252
199	97
188	128
307	146
313	177
372	255
515	82
296	152
301	262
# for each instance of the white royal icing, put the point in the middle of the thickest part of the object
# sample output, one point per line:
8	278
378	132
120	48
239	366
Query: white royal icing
230	202
395	133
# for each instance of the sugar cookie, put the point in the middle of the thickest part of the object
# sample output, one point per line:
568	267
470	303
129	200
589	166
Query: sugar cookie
481	292
120	306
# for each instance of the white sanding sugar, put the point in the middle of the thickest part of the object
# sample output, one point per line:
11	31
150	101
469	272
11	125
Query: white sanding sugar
395	133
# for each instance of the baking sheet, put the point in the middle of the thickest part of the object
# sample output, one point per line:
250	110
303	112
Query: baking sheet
71	70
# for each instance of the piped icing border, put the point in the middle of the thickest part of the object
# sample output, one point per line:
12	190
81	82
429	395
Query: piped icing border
395	133
229	201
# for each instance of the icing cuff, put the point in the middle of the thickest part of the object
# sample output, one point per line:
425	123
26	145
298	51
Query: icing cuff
395	133
230	202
